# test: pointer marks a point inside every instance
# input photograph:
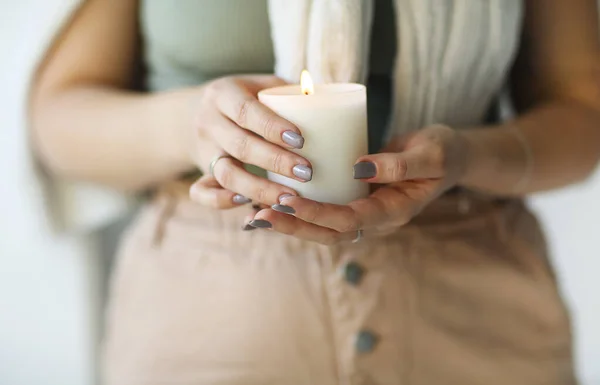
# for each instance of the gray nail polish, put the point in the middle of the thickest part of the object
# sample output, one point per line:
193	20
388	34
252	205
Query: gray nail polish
364	170
284	209
260	224
283	196
248	227
293	139
240	199
303	172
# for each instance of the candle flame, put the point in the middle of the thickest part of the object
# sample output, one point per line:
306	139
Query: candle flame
306	83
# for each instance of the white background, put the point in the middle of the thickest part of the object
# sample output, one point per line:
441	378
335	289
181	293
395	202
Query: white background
51	289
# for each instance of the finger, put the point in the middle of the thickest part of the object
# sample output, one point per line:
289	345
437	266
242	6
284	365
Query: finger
336	217
207	192
244	109
296	227
422	163
232	176
254	150
255	209
388	206
287	224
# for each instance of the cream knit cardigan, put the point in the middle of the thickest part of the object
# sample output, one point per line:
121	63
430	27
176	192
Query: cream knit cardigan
452	59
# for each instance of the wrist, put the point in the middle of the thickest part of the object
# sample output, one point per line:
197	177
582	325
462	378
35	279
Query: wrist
482	160
174	136
495	160
470	153
464	153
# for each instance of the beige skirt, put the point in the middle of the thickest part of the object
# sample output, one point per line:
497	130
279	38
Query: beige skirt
462	295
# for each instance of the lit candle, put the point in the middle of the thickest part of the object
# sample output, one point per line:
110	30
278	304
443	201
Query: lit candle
333	122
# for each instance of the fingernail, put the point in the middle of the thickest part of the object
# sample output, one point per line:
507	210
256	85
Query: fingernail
260	224
240	199
284	209
283	196
303	172
364	170
293	139
248	227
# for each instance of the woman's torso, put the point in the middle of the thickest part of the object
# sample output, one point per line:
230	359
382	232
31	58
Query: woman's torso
450	64
462	295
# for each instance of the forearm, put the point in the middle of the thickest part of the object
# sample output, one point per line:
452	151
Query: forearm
123	139
551	146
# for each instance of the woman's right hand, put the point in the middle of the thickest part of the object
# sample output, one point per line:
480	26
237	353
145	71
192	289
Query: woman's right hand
229	120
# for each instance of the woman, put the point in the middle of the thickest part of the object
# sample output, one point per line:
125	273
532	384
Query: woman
440	276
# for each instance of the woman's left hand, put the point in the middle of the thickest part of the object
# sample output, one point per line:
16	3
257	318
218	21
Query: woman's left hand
413	171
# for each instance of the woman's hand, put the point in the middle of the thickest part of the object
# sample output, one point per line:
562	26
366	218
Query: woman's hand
229	120
414	170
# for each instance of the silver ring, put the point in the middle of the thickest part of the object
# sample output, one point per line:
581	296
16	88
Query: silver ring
213	163
359	235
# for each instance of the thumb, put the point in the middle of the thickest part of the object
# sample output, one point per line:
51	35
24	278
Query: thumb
397	166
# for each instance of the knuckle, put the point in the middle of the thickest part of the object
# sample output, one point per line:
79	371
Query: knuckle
261	194
268	125
349	225
313	213
239	148
243	110
213	89
399	169
277	161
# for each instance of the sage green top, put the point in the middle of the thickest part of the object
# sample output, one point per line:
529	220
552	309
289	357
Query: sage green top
189	42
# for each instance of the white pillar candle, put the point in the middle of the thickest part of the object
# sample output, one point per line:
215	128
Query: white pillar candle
333	122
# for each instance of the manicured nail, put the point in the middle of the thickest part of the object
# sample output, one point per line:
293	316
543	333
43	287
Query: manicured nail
260	224
248	227
284	209
240	199
364	170
293	139
303	172
283	196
